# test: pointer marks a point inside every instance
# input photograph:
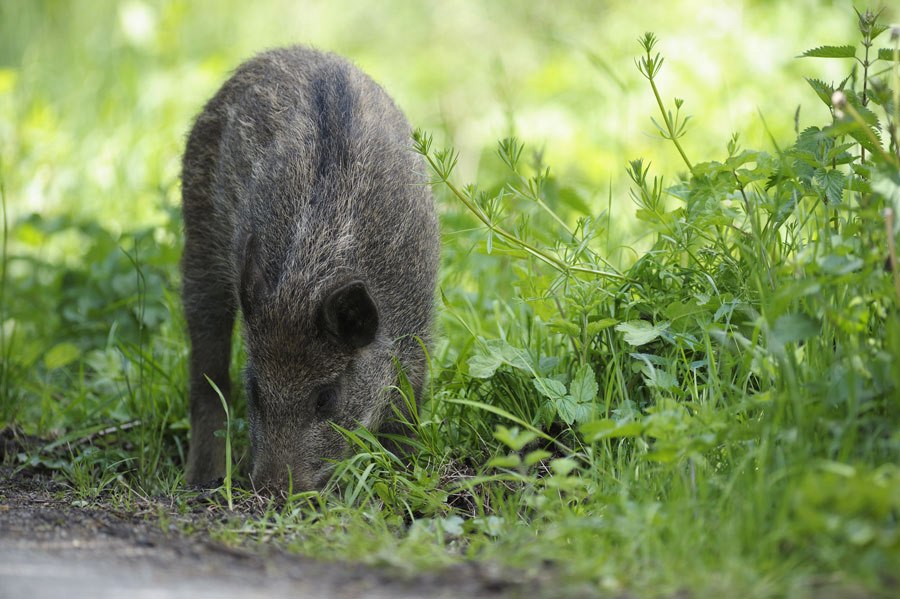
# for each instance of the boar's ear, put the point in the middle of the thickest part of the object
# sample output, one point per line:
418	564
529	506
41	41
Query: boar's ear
350	316
253	286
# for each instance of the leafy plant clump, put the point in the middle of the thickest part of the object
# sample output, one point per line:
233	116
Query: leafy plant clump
733	391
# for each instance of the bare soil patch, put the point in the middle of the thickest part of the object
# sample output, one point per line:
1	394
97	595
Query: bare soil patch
53	545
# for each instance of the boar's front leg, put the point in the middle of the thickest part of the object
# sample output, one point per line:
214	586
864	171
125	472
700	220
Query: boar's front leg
209	307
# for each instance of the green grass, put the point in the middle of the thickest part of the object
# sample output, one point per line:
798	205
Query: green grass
675	373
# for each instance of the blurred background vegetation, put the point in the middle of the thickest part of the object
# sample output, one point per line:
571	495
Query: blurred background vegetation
97	96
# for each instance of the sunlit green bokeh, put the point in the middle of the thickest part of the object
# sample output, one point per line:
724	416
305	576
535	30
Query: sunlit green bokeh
97	97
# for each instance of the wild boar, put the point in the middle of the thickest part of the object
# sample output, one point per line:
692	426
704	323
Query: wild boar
306	208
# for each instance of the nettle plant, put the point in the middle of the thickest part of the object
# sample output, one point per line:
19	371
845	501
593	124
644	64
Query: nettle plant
773	276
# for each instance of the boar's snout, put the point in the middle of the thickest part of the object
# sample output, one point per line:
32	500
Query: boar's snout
276	477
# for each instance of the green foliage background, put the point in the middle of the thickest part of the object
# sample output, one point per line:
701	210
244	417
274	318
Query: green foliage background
719	415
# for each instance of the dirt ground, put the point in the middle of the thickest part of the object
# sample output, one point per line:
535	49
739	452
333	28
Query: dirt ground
54	546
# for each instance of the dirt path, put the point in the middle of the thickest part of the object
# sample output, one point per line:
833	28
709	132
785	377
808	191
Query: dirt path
52	547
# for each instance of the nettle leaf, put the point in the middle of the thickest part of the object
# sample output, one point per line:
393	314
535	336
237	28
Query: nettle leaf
832	183
805	160
830	52
706	169
838	154
550	388
707	194
864	140
584	385
741	159
880	94
867	115
571	410
496	353
641	332
870	141
877	29
511	356
484	366
822	89
784	210
658	378
886	54
810	139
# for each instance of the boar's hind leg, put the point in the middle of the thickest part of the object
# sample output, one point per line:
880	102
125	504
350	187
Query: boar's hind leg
209	306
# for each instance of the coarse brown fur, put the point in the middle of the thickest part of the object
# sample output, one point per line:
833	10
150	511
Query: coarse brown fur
305	207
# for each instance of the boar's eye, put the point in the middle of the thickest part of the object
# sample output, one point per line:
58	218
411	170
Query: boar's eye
326	401
349	315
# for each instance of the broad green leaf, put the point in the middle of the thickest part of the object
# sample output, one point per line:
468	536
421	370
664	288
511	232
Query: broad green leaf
514	438
496	353
659	378
882	96
886	54
685	316
840	265
650	358
832	184
533	457
859	134
790	328
740	160
664	455
822	89
451	525
839	468
511	356
571	410
550	388
505	461
484	366
859	532
565	326
61	355
583	412
868	116
584	385
600	325
830	52
563	466
610	429
878	29
641	332
840	154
